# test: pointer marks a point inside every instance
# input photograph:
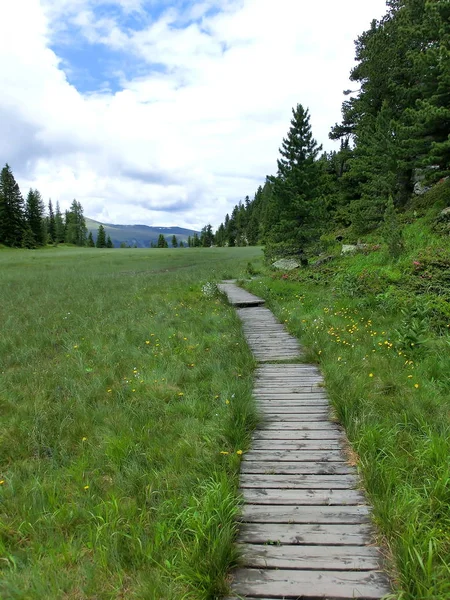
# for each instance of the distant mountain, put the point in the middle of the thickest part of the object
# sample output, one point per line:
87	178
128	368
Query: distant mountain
141	235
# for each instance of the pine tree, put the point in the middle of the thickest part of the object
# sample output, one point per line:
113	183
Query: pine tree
12	218
206	236
90	240
34	215
392	231
76	231
51	224
59	226
101	237
174	241
296	186
109	243
162	242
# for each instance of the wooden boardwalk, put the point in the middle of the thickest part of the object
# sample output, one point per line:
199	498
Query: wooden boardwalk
305	527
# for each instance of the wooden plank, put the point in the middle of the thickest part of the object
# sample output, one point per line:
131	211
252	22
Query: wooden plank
316	434
339	558
325	534
296	444
293	455
283	419
260	513
287	389
301	419
280	394
300	426
294	408
288	583
301	481
300	497
288	468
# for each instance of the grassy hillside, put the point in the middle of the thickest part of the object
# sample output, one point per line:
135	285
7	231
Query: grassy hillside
139	235
125	404
379	328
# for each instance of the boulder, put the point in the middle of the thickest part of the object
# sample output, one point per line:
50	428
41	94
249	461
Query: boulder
350	248
286	264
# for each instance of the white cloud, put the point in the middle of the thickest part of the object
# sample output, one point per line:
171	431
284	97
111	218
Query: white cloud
178	145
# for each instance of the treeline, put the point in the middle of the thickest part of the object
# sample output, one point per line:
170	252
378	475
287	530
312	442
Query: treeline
394	140
28	223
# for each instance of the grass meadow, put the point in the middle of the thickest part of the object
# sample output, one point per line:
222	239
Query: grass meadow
125	404
384	350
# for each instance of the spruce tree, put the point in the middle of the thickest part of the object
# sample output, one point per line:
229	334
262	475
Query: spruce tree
51	223
90	240
162	242
296	186
76	231
174	241
34	215
12	218
101	237
59	225
109	243
393	234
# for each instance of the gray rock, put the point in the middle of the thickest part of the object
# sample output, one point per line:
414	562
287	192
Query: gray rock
286	264
348	248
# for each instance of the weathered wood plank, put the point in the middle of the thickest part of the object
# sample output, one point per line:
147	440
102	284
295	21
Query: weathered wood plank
299	426
239	297
327	558
301	481
293	455
260	513
300	497
270	409
315	434
298	467
328	534
296	444
282	418
288	583
293	421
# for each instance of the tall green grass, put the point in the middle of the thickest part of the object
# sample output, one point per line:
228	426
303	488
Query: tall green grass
125	394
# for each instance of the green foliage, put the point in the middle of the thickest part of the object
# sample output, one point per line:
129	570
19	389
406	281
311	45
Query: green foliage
109	243
392	231
101	237
75	225
162	242
12	217
90	240
51	224
34	216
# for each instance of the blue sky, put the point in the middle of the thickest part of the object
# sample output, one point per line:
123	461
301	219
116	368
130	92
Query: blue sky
167	113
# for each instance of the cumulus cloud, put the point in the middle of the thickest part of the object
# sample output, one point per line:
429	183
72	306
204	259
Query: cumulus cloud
202	97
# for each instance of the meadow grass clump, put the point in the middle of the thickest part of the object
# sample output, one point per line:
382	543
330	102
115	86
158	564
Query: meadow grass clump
386	372
125	402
